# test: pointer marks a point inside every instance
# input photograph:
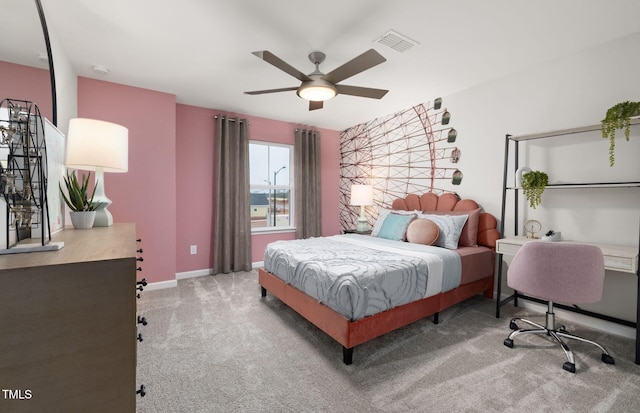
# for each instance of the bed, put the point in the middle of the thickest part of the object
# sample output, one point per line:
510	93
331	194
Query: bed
359	287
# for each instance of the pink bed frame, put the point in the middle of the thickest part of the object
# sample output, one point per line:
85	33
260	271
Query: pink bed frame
352	333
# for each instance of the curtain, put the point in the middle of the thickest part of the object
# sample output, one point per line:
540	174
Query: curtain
308	199
232	220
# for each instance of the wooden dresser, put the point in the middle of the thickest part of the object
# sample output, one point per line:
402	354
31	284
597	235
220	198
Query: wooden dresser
68	324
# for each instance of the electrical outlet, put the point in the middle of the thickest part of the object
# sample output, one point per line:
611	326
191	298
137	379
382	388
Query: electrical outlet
193	249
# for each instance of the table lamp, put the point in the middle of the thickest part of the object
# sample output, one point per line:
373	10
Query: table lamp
96	145
362	195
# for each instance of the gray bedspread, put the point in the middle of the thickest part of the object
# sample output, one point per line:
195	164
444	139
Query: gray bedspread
358	276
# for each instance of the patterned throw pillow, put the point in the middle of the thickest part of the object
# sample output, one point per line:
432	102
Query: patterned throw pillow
450	228
469	236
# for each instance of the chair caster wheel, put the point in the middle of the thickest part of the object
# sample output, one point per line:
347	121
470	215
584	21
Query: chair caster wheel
508	342
513	325
608	359
570	367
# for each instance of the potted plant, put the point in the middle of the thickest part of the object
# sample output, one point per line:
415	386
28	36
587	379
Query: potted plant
533	184
617	117
83	209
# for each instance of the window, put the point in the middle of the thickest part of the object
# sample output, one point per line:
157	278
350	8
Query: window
271	186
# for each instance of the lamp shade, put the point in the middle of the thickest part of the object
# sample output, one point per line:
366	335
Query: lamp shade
361	195
95	144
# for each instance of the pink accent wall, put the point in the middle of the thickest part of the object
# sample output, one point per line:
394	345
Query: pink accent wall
26	83
195	187
146	194
195	191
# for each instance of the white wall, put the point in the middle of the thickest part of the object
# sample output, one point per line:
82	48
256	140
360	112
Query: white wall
66	80
574	91
66	86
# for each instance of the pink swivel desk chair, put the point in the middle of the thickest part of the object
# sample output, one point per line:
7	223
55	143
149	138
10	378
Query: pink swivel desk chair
557	272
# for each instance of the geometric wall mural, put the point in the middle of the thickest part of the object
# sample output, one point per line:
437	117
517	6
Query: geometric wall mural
411	151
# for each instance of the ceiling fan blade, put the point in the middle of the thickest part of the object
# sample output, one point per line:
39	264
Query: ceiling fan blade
260	92
269	57
365	92
313	105
365	61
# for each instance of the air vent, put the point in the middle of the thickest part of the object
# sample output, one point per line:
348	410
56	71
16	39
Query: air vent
396	41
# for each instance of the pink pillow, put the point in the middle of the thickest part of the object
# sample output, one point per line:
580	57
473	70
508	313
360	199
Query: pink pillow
423	231
469	236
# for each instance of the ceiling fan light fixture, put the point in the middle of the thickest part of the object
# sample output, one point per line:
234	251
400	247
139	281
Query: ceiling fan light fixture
317	90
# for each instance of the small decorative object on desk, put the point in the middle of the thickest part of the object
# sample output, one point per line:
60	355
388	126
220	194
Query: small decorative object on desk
552	236
531	227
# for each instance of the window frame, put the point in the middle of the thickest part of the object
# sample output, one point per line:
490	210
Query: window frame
269	187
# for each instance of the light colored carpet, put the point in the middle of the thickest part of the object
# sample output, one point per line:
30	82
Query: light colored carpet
214	345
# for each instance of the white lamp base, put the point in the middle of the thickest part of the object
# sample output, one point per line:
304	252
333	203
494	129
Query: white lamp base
103	216
362	225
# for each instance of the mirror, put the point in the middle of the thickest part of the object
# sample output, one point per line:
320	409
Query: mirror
26	63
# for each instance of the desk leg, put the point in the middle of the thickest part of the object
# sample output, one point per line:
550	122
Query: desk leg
499	286
638	320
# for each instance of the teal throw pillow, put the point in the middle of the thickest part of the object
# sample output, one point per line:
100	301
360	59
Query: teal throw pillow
395	226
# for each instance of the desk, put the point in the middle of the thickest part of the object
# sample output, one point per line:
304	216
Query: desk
616	258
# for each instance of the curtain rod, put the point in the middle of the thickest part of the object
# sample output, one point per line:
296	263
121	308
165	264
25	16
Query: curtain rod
231	119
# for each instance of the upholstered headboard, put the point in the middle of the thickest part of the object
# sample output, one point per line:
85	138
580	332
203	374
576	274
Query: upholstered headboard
448	202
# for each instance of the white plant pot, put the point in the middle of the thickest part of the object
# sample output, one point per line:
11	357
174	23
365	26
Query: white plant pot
519	172
82	219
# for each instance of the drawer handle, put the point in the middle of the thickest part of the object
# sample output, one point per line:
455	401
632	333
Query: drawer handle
142	320
139	251
139	259
142	391
139	338
142	282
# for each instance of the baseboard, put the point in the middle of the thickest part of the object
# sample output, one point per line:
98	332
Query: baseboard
603	325
207	271
161	285
193	274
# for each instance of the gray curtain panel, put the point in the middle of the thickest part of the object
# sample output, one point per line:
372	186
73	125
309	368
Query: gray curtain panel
307	184
232	221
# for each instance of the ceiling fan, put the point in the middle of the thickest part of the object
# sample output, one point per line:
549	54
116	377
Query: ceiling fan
317	87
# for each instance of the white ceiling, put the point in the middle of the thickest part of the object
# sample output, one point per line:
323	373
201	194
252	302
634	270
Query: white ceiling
200	50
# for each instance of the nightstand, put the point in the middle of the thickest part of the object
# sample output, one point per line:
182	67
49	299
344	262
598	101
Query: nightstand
353	231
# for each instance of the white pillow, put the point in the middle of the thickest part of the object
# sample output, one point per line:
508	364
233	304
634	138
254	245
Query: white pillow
450	228
375	230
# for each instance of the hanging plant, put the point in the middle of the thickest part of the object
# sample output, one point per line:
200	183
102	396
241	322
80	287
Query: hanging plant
617	117
533	184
